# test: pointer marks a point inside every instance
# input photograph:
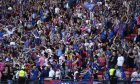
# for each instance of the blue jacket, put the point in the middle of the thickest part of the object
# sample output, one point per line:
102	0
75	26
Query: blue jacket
34	74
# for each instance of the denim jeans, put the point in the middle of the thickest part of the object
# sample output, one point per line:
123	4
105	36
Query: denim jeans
122	70
9	81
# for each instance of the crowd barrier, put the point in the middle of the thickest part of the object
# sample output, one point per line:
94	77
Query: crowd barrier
73	82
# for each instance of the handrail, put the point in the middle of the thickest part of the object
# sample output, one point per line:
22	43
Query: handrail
74	82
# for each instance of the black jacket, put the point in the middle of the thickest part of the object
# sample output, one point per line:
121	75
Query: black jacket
113	61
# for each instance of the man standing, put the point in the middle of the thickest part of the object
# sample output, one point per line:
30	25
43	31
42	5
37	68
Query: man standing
120	62
22	76
112	73
113	60
34	74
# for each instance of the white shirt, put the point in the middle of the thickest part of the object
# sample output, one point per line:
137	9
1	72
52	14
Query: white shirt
57	10
39	22
51	61
99	3
86	44
134	74
58	74
51	73
49	50
120	61
42	52
75	74
62	58
79	15
46	62
33	15
139	54
12	43
9	32
118	73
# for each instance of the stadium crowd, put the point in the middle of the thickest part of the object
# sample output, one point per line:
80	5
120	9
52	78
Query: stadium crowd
69	39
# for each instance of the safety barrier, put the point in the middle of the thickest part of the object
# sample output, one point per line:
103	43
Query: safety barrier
71	82
95	82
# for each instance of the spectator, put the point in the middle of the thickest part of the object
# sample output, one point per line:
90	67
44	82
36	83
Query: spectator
134	75
120	61
5	74
22	75
58	74
113	60
10	75
51	73
112	73
34	75
2	65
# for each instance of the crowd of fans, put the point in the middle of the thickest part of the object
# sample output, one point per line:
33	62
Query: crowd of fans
69	39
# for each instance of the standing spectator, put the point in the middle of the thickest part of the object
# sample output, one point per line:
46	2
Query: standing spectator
113	60
134	75
42	71
120	62
34	75
112	73
2	65
58	74
130	60
4	77
51	73
44	74
22	75
10	75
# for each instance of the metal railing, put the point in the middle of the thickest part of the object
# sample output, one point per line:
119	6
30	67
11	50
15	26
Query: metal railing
66	81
